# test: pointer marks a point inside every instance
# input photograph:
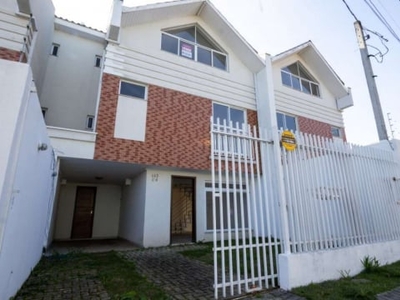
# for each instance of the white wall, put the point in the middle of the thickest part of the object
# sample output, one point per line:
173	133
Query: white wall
295	102
12	28
9	5
27	185
106	212
139	57
71	83
313	267
158	207
133	200
43	11
72	143
130	119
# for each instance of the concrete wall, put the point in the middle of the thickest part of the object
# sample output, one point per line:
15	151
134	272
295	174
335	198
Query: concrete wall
305	268
133	202
106	211
26	181
72	80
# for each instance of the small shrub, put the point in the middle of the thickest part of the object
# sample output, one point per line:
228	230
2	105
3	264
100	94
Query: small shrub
345	274
370	264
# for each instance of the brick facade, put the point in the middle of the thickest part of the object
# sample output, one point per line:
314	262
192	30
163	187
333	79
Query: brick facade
316	127
177	129
9	54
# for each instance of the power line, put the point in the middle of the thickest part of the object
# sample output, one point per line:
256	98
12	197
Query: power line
348	7
380	16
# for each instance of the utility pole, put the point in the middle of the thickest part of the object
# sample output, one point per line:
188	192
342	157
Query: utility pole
369	75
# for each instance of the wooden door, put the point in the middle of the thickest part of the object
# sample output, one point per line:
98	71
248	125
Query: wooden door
84	211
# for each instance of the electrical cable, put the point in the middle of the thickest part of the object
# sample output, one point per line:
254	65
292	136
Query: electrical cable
348	7
380	16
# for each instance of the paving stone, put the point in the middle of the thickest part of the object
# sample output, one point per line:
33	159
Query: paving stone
180	277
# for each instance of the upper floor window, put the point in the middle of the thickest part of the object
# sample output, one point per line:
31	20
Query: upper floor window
132	90
228	114
286	122
298	78
54	49
336	132
192	43
97	61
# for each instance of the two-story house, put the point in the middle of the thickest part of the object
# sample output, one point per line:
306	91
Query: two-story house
135	159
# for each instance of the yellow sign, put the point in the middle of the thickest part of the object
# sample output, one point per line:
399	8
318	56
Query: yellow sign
288	140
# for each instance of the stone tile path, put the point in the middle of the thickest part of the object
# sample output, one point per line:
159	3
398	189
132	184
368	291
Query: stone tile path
180	277
184	278
391	295
70	284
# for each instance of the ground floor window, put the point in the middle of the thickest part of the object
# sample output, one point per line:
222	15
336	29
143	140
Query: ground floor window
233	202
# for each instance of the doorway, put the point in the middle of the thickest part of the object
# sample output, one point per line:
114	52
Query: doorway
183	204
82	223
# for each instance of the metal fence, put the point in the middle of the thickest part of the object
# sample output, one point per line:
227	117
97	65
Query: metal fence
340	195
244	219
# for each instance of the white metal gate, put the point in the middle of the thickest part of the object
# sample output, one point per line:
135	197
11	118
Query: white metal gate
244	218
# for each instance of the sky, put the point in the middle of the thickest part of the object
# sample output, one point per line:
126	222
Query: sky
273	26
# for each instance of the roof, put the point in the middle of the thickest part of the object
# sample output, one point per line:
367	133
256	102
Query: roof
79	29
204	9
317	63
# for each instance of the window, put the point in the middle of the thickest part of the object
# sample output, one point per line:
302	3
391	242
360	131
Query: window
336	132
54	49
132	90
192	43
89	122
44	111
286	122
298	78
97	62
229	114
241	206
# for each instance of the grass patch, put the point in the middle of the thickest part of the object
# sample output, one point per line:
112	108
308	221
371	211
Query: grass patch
365	285
118	276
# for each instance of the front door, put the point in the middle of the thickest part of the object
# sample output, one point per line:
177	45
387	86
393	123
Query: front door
183	224
83	214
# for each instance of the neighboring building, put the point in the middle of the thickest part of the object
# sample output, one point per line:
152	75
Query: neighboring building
129	112
28	166
309	95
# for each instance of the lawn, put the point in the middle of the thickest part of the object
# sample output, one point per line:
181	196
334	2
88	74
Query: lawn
74	272
366	285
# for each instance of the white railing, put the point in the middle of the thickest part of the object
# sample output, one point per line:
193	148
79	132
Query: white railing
340	195
28	40
244	219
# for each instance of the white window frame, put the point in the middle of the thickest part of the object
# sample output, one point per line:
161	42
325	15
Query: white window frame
98	58
88	117
289	115
298	64
228	121
339	131
225	189
55	46
196	46
134	83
